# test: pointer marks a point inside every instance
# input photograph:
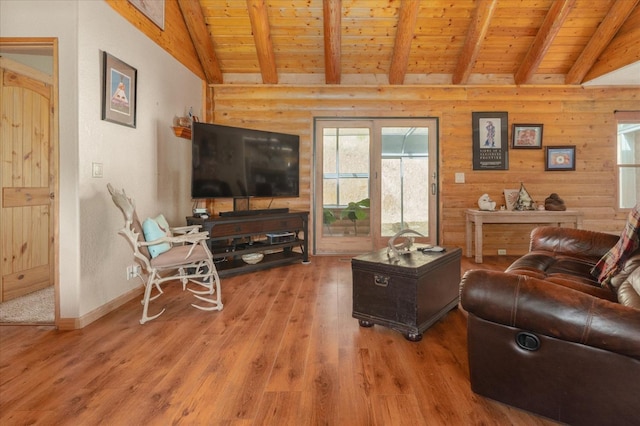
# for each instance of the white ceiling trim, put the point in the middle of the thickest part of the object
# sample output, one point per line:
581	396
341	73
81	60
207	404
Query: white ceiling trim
625	76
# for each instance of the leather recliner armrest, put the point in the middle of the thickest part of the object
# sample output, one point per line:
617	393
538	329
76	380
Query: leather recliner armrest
569	241
541	307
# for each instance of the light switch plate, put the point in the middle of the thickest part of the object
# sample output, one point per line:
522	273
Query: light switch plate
459	178
96	170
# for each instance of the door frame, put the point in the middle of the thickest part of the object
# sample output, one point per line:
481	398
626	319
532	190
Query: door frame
50	46
377	124
434	167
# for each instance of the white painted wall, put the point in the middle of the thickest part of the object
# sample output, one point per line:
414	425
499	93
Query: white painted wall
148	161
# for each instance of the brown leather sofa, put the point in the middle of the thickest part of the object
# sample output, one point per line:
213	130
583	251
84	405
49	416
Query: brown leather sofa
546	337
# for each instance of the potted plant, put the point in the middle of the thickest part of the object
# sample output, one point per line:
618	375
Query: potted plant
356	211
328	218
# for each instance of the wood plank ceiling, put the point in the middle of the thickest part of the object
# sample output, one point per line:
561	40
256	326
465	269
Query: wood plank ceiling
412	41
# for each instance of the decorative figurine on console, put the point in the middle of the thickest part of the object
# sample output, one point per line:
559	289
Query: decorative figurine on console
486	203
394	251
554	203
524	202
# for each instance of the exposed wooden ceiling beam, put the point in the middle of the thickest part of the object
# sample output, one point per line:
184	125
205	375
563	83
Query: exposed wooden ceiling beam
549	29
404	36
197	27
607	29
332	14
262	36
480	23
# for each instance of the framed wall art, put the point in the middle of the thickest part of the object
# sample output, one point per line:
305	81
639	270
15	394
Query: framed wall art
154	10
526	136
490	140
560	157
118	91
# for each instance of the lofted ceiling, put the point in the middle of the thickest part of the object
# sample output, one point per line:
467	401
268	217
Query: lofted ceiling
409	41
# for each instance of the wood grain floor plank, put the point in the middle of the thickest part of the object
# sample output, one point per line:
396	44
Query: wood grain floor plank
397	410
319	399
279	409
285	350
289	366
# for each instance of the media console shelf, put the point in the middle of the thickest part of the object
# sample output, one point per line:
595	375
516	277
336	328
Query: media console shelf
232	237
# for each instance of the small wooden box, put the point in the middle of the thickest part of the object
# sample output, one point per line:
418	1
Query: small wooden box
407	295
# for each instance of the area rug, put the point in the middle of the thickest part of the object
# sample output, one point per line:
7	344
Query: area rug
34	308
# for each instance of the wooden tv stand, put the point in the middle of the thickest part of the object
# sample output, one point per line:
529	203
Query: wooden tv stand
231	237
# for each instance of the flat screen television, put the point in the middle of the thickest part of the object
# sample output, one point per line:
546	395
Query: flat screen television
229	162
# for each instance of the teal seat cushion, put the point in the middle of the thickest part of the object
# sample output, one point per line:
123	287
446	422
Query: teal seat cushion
154	229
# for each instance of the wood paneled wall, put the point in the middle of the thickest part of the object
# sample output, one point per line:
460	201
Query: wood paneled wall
571	116
175	37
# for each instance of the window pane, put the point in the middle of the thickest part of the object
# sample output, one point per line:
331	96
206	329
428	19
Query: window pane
353	154
353	190
329	149
416	197
405	141
329	192
629	179
405	162
345	180
628	159
405	204
628	144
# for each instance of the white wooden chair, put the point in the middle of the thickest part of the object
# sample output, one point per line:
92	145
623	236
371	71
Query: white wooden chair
186	259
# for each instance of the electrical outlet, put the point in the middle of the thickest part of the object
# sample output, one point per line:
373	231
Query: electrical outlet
133	271
502	252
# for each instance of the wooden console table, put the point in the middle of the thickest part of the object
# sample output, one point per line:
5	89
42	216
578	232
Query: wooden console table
480	217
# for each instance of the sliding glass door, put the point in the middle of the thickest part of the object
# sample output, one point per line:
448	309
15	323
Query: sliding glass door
373	179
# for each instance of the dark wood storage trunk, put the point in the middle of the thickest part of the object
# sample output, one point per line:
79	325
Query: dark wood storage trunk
408	295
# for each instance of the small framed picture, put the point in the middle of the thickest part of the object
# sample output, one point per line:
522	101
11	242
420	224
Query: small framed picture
560	157
119	82
154	10
490	140
526	136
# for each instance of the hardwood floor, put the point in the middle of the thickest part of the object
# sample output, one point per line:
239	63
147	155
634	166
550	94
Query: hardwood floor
285	350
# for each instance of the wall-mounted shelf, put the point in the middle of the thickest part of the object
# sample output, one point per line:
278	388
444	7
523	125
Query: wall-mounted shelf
182	132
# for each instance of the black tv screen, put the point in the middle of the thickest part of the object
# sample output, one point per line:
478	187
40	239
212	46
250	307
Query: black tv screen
235	162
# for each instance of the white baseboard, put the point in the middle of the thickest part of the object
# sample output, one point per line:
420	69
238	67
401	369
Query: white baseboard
83	321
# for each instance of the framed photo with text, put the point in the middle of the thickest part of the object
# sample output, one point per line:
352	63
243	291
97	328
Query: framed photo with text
119	82
490	140
560	158
526	136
